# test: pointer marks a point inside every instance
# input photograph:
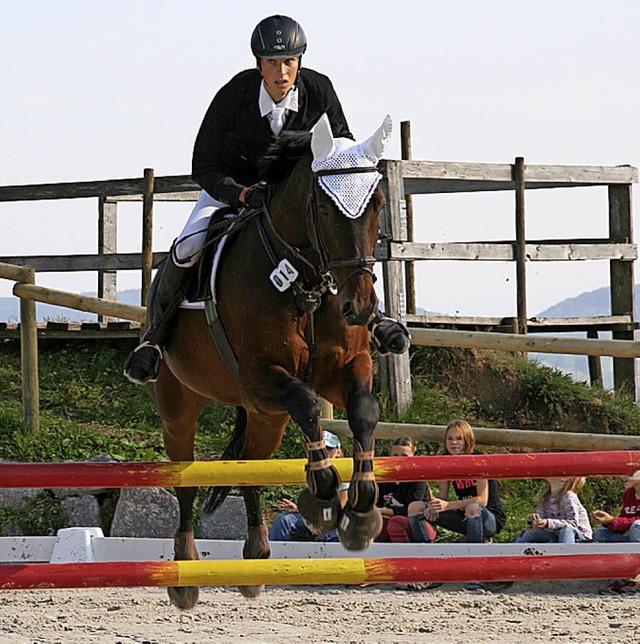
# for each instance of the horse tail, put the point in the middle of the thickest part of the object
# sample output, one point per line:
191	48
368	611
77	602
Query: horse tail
232	452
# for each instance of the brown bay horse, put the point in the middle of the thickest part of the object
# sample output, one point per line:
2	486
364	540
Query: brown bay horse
282	367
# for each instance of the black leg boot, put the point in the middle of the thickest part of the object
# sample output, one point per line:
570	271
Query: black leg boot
389	335
167	291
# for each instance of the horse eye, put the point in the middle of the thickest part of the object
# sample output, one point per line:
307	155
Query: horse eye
325	210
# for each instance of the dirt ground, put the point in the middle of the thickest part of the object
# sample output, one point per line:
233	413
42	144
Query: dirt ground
527	612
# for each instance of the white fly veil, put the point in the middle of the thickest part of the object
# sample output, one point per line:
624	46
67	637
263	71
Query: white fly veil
350	192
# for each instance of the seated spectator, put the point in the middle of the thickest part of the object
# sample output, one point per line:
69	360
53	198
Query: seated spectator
289	524
623	528
397	500
477	512
559	515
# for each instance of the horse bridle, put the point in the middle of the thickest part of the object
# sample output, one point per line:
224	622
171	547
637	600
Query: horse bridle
323	268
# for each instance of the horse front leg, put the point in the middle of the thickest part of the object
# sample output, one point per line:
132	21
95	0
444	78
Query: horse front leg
361	520
319	504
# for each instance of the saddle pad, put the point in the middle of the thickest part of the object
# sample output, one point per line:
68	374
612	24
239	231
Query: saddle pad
214	269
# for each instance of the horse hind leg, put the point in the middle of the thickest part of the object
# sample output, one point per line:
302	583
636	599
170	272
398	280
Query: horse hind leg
262	437
184	548
319	504
180	409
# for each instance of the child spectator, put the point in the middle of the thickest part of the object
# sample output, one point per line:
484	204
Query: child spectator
397	501
559	515
289	524
478	512
623	528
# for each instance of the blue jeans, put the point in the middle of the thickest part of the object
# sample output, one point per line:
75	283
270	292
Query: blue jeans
568	534
290	526
608	536
476	529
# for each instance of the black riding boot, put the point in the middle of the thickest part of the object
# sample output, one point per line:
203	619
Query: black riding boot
165	295
389	335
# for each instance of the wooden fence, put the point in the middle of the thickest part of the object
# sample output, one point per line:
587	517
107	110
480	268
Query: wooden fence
29	293
397	251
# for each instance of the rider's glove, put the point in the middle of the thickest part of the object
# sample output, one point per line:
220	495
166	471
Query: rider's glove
256	195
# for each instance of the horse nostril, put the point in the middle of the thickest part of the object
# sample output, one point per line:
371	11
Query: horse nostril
348	312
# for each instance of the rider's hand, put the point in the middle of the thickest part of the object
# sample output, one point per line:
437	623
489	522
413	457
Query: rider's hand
255	195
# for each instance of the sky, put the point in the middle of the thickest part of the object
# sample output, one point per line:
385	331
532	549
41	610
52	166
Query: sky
93	91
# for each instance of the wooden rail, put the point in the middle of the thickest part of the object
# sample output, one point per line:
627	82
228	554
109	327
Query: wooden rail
528	343
528	438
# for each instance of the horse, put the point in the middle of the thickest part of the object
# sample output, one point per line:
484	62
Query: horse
295	337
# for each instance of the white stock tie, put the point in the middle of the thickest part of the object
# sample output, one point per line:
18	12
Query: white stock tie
277	119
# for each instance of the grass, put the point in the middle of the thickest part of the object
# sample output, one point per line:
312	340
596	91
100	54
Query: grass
89	408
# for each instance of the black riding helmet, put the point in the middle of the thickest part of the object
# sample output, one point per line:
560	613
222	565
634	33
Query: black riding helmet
278	37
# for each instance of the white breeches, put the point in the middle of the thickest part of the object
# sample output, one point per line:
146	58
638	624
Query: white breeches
190	241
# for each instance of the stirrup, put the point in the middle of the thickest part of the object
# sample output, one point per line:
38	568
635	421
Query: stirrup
147	370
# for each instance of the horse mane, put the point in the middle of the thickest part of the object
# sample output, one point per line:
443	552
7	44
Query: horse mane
282	155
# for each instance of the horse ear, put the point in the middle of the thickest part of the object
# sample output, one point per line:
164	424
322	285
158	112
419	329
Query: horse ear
374	146
321	139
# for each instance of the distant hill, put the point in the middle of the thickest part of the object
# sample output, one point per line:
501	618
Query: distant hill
590	303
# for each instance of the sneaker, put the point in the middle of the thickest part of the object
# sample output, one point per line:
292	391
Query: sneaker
143	364
615	587
496	586
473	586
630	588
417	586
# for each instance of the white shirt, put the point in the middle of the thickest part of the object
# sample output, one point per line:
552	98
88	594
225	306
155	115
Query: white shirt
267	104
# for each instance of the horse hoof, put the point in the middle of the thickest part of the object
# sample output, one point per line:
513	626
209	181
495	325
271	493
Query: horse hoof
250	592
256	545
320	516
184	597
357	530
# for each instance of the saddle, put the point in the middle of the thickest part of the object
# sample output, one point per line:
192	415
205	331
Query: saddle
199	288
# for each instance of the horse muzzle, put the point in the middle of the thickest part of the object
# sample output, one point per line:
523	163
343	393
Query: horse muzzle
356	315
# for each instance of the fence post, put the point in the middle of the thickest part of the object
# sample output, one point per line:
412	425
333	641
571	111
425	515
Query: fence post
521	246
595	364
409	266
29	357
395	373
622	283
107	244
147	234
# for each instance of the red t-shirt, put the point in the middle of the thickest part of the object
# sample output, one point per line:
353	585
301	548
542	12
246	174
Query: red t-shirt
629	514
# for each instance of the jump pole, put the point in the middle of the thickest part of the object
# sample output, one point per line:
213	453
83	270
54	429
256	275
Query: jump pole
252	572
291	472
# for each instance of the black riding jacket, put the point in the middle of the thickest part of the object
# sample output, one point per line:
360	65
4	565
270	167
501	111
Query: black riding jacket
233	136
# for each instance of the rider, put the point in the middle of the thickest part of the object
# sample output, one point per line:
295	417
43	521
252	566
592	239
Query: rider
241	122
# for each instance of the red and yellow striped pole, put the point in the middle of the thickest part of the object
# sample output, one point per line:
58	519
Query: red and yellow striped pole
291	472
252	572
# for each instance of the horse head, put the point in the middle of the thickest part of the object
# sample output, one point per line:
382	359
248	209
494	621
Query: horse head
345	208
326	211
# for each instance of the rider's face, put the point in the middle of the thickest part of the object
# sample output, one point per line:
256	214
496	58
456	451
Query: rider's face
279	75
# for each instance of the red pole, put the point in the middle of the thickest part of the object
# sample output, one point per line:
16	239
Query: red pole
302	572
418	468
